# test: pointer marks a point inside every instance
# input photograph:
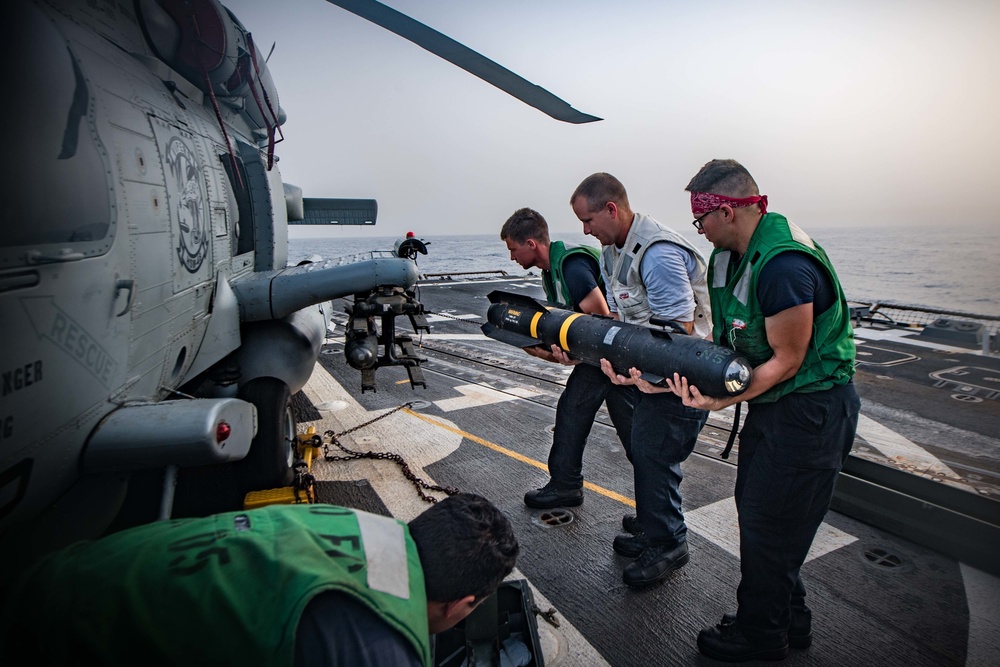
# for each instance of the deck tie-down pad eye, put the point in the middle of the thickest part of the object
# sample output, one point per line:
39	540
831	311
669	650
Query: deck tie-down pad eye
882	558
553	518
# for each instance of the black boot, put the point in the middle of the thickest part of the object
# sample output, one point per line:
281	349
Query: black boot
630	523
550	496
630	545
727	643
799	627
655	563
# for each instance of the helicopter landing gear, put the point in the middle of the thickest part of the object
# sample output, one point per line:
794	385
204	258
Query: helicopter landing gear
268	464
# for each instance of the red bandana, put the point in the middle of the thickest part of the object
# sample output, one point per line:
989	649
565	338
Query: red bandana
705	202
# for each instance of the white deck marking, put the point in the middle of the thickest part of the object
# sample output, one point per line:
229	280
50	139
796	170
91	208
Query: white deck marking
897	357
894	446
475	395
909	338
718	523
423	445
982	594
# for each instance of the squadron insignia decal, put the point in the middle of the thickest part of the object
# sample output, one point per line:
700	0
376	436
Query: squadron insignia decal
187	203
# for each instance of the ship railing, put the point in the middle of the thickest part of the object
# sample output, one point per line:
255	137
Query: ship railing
361	257
448	275
965	329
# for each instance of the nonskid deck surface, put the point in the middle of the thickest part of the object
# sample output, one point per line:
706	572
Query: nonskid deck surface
483	425
943	399
929	409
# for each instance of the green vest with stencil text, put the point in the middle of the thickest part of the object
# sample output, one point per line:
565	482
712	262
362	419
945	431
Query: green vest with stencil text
829	359
553	280
228	589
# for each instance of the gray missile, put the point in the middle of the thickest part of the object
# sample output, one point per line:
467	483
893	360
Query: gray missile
524	322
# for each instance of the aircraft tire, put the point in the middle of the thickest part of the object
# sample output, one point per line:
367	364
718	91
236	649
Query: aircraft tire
268	464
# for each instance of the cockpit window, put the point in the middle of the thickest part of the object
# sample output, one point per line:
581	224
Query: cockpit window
242	231
57	204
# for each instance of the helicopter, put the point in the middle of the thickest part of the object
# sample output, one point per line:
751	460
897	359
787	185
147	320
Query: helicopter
153	334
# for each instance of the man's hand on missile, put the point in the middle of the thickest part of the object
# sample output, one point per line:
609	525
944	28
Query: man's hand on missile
634	377
540	353
693	398
559	355
609	370
555	355
645	386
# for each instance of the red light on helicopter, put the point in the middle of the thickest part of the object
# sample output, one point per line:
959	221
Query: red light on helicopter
222	432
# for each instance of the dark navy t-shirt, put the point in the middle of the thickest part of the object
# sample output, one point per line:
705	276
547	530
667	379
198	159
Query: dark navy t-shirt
581	273
791	279
338	630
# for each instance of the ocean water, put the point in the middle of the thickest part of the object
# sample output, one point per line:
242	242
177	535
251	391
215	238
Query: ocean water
954	268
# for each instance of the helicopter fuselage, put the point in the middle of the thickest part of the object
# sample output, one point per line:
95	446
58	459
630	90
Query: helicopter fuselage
145	231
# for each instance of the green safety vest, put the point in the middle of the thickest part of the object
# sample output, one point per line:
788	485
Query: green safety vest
738	322
553	280
227	589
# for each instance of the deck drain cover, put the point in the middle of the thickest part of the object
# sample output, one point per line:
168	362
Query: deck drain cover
880	557
553	518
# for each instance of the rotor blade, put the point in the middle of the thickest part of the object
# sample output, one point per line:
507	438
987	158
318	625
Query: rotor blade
469	60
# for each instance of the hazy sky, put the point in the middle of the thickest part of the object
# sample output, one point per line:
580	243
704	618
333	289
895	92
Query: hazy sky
846	112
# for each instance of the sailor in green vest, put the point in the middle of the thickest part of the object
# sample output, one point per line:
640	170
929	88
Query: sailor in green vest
572	279
279	585
775	299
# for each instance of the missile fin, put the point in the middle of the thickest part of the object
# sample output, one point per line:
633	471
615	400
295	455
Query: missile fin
498	296
660	333
509	337
653	378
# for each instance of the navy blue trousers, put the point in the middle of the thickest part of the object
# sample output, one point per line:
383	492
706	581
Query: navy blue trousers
586	388
664	432
790	454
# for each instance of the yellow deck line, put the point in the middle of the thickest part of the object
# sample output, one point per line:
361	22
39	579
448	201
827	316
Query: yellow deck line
607	493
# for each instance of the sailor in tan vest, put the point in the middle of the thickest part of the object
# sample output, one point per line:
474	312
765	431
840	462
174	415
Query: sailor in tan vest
651	274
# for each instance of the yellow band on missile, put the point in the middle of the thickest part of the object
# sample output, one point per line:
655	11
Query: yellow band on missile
564	329
534	323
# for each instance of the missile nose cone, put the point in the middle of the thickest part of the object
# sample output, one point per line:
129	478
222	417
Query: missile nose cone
737	376
361	352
